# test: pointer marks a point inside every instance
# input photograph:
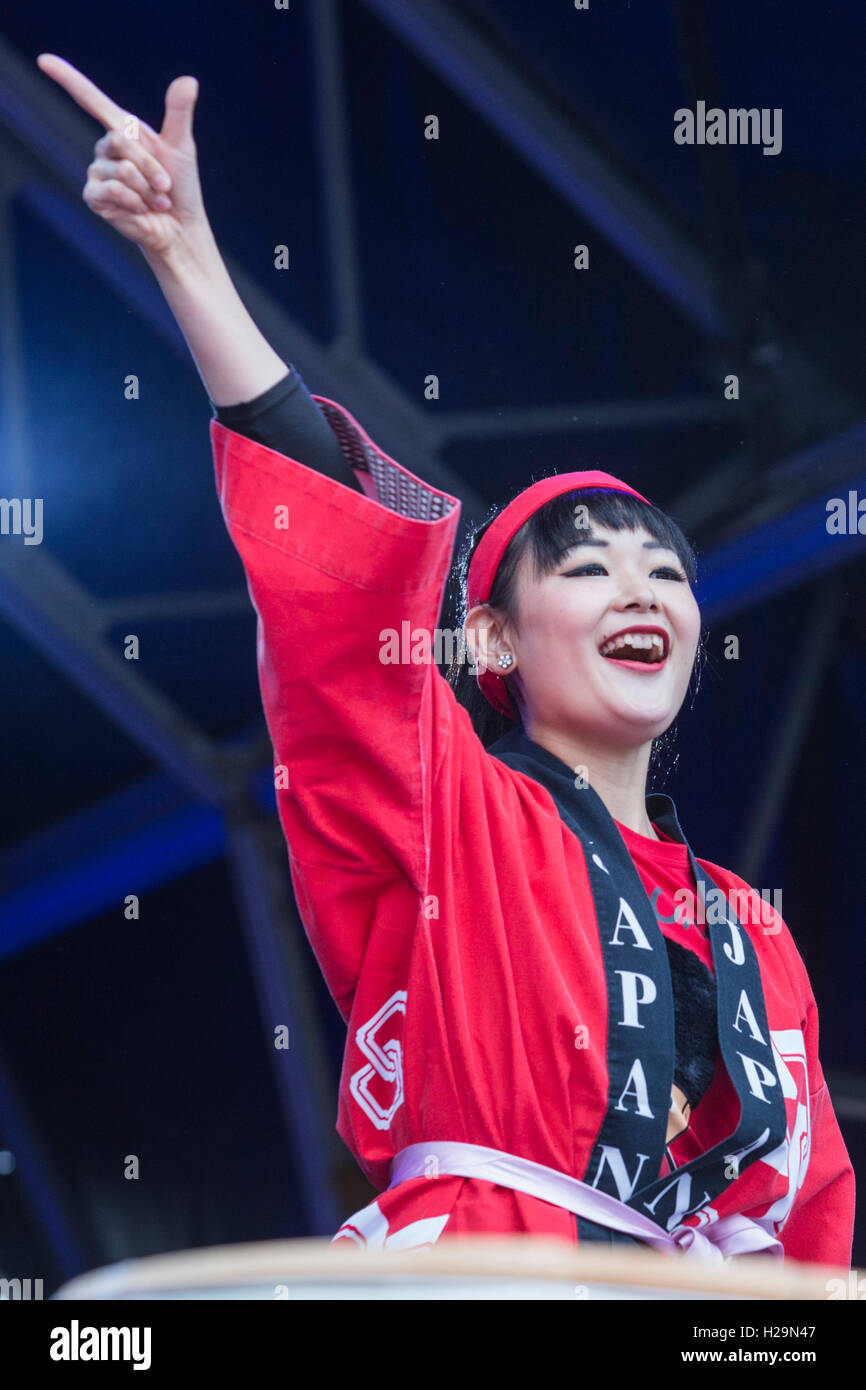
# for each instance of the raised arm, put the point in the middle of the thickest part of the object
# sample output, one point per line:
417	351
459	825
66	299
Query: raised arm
146	185
286	418
371	751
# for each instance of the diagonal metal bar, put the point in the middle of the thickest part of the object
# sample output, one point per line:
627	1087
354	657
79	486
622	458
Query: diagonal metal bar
335	173
712	491
778	554
16	472
208	603
552	145
44	603
145	835
36	1176
48	144
280	970
586	416
592	185
809	673
774	557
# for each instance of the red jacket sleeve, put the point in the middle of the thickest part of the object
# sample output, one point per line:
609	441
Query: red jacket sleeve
820	1228
357	737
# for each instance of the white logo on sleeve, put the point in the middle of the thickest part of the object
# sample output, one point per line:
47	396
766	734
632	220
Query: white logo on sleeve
369	1229
791	1159
385	1062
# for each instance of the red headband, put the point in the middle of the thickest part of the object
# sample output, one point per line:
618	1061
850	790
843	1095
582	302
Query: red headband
494	542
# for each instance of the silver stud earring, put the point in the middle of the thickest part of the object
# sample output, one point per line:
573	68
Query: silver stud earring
506	660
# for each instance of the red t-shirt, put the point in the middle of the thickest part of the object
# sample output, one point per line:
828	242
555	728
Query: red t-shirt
664	869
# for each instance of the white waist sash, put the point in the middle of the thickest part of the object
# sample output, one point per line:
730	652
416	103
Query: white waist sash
732	1235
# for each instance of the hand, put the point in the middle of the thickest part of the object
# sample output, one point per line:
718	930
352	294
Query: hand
146	185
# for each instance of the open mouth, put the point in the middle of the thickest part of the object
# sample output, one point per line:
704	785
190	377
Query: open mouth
637	647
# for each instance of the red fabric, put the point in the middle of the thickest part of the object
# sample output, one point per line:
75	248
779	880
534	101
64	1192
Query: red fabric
448	905
664	869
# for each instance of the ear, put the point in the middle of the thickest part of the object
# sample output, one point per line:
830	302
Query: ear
486	637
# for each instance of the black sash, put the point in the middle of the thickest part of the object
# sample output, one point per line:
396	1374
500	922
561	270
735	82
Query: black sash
630	1145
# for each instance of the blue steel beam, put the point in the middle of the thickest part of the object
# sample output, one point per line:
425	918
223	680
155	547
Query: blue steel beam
86	864
82	889
43	601
552	146
50	148
37	1180
775	557
257	858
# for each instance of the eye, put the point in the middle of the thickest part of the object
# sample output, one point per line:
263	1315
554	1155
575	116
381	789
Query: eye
584	569
667	571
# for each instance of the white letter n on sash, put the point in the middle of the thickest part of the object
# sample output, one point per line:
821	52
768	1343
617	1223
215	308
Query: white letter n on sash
625	1185
683	1186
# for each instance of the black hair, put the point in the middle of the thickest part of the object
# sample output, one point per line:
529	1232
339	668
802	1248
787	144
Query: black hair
547	537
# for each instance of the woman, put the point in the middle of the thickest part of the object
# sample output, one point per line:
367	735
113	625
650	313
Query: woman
559	1020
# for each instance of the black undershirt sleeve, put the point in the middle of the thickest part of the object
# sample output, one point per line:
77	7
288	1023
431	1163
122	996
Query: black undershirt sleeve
287	419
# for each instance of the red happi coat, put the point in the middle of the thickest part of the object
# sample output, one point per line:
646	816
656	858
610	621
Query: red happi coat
448	904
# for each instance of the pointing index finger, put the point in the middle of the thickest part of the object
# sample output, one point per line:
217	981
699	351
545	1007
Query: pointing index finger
82	90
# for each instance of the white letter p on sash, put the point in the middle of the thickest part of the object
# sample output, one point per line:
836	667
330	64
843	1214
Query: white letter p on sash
630	998
756	1082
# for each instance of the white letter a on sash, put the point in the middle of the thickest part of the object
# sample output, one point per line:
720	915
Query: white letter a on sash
745	1011
636	1086
628	920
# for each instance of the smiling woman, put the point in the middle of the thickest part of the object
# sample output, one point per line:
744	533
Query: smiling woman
545	909
535	1041
557	541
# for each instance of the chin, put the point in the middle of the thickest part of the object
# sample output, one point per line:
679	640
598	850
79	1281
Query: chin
641	725
658	708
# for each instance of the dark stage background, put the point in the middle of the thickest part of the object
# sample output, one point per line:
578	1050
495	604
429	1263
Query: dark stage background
408	257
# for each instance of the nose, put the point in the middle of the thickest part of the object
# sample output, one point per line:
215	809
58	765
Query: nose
642	599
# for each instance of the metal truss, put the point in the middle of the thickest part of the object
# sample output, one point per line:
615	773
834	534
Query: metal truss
37	1176
552	145
208	800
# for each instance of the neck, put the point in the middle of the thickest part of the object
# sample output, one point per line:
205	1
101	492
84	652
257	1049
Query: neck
618	775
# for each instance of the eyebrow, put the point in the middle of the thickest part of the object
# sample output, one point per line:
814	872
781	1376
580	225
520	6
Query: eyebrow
647	545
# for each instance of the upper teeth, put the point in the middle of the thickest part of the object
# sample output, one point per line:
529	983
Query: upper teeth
634	639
